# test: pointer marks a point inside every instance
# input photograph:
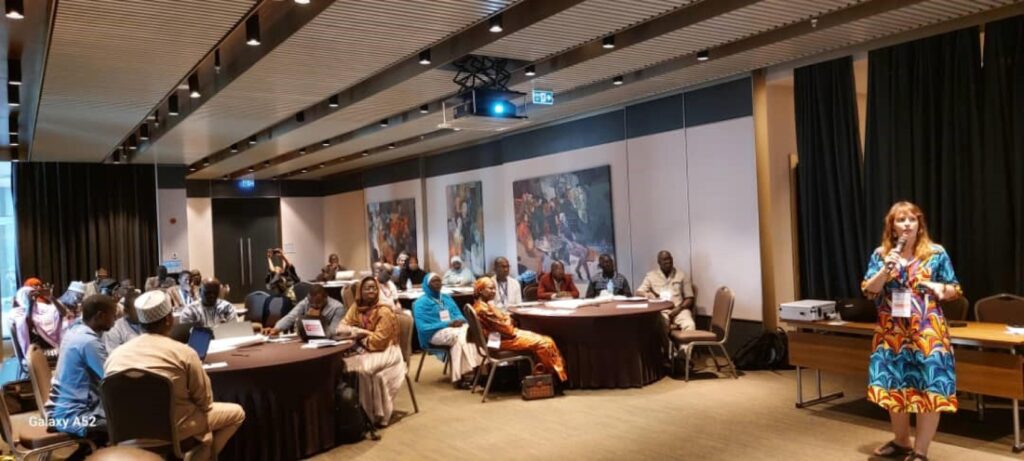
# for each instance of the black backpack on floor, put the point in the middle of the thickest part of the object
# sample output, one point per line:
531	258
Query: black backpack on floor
351	423
770	351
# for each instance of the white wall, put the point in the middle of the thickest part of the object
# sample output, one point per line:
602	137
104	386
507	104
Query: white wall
658	202
401	190
173	221
200	235
725	245
302	234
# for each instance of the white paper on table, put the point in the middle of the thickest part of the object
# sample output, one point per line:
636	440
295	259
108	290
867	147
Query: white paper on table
632	306
228	344
569	303
1015	330
209	366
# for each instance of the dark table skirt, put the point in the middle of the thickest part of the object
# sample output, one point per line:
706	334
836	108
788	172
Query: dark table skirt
606	352
288	397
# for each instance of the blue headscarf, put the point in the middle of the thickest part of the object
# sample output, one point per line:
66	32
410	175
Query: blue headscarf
427	313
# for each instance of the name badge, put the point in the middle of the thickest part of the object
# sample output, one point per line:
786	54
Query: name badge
494	340
445	316
665	294
901	303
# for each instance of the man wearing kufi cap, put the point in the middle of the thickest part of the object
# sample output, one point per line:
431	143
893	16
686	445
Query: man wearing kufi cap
197	415
458	275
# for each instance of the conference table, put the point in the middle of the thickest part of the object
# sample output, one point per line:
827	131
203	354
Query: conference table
288	396
989	360
605	343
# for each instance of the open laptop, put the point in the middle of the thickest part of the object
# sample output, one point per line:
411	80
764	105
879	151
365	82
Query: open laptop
199	340
232	330
310	328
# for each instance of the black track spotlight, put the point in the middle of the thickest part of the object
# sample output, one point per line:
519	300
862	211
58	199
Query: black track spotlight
206	162
172	105
12	124
332	102
15	9
391	146
14	71
305	170
252	169
193	86
13	95
216	60
302	151
424	109
495	24
300	117
608	42
252	30
234	148
132	143
144	132
384	123
703	55
617	80
252	140
366	153
531	70
302	2
425	57
326	143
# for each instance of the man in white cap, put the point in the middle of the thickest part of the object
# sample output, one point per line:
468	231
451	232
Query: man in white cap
197	415
458	275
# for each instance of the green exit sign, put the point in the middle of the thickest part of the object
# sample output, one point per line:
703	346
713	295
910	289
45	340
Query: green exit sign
544	97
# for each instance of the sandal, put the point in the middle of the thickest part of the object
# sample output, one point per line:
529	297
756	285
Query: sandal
891	449
915	456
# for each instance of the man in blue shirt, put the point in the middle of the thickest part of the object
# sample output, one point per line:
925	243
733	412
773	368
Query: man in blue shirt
74	403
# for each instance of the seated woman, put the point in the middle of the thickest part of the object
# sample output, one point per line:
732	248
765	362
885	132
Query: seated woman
439	323
37	318
378	360
410	274
494	320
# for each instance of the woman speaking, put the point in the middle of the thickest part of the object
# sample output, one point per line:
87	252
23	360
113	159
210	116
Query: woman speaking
911	368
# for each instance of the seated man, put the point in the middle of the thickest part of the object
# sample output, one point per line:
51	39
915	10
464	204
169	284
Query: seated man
127	326
193	408
210	310
509	291
401	262
93	286
556	284
495	322
670	284
74	402
330	271
439	323
458	275
316	305
608	280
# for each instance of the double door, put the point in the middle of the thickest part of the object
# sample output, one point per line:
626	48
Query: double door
243	230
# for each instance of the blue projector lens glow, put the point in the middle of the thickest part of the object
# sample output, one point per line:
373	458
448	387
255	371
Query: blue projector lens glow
499	108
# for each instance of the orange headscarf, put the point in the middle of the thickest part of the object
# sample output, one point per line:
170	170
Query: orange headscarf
479	285
33	282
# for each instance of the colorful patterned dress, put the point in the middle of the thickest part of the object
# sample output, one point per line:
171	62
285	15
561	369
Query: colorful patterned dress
911	368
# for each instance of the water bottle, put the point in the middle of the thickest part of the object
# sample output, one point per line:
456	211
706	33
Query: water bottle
610	287
408	284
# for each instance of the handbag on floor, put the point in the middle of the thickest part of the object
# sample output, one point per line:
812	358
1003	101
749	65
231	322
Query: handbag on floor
541	386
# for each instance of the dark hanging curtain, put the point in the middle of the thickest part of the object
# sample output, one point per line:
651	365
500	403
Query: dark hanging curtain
999	193
922	132
829	198
74	218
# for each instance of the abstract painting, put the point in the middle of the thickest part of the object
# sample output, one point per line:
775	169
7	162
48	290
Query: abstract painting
564	217
466	224
392	229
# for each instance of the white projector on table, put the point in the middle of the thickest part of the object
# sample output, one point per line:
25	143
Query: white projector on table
808	309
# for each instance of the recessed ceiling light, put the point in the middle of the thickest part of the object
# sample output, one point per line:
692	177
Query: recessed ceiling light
302	2
191	168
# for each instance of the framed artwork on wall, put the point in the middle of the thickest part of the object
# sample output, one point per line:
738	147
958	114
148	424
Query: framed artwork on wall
392	229
466	224
564	217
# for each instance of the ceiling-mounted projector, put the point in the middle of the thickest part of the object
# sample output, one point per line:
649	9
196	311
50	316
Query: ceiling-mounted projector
485	110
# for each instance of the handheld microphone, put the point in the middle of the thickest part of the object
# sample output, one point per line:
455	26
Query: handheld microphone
899	249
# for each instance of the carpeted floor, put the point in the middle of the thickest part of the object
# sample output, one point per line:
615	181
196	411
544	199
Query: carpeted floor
707	418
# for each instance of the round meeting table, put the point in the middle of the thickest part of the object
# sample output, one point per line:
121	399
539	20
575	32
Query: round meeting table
287	393
610	344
